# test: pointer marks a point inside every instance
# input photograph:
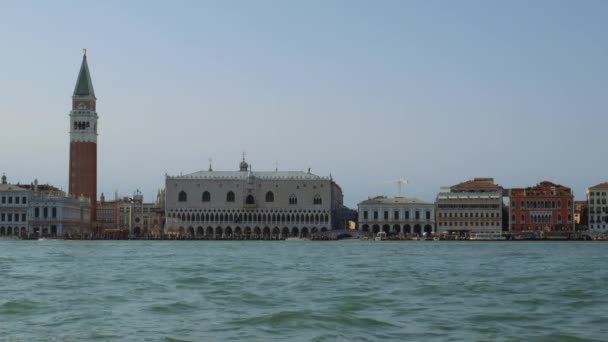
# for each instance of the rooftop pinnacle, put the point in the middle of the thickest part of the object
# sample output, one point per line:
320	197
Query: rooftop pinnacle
84	85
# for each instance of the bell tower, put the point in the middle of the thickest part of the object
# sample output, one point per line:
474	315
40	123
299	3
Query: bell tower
83	138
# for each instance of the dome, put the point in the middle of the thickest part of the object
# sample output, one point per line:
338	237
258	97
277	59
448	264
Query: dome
243	166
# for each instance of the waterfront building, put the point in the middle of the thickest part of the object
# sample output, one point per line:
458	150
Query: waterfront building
581	214
545	206
132	215
54	213
14	203
83	139
597	196
248	204
474	206
396	216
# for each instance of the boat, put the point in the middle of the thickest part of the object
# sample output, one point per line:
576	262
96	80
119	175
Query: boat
380	236
486	236
295	239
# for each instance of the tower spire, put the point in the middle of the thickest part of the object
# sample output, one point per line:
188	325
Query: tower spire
84	84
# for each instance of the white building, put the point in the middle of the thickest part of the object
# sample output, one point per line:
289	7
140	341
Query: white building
473	206
597	197
396	215
42	210
14	203
245	204
54	213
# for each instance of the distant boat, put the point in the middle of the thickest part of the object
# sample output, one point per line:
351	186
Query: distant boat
380	236
295	239
486	236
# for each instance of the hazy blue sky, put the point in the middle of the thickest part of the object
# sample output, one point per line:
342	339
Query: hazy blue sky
433	91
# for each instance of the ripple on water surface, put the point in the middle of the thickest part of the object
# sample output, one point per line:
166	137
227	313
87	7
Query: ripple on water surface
351	291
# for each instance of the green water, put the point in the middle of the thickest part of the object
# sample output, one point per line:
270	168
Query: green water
302	291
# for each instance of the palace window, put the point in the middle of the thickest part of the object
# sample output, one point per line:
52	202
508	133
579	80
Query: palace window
249	200
365	215
230	196
386	215
375	215
317	199
428	215
206	196
269	196
182	197
293	200
24	200
396	215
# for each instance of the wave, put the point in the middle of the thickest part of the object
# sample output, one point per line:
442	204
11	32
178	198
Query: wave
18	307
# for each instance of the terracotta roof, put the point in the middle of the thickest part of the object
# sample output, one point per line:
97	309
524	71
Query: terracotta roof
541	189
477	183
600	186
41	187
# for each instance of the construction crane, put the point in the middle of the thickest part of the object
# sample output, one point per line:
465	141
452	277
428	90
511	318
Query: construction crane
400	182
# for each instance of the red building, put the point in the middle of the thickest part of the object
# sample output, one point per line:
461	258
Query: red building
83	139
544	206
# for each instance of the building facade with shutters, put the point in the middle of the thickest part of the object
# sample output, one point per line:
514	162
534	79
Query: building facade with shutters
247	204
53	213
42	211
545	206
597	197
474	206
14	204
396	215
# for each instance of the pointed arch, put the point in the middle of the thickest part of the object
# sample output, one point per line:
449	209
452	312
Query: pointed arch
269	196
182	196
206	196
230	196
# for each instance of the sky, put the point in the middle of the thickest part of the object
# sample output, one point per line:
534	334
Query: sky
436	92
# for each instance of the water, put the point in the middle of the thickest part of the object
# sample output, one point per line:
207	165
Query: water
302	291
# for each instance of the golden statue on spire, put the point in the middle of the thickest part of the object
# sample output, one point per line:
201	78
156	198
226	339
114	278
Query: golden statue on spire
84	52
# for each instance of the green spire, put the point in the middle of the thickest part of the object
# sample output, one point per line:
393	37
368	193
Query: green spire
84	85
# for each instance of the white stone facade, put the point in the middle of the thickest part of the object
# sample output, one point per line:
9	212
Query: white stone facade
396	216
14	204
83	124
55	214
597	197
42	210
274	204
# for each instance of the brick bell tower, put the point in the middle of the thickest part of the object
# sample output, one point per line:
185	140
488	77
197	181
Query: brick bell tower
83	138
